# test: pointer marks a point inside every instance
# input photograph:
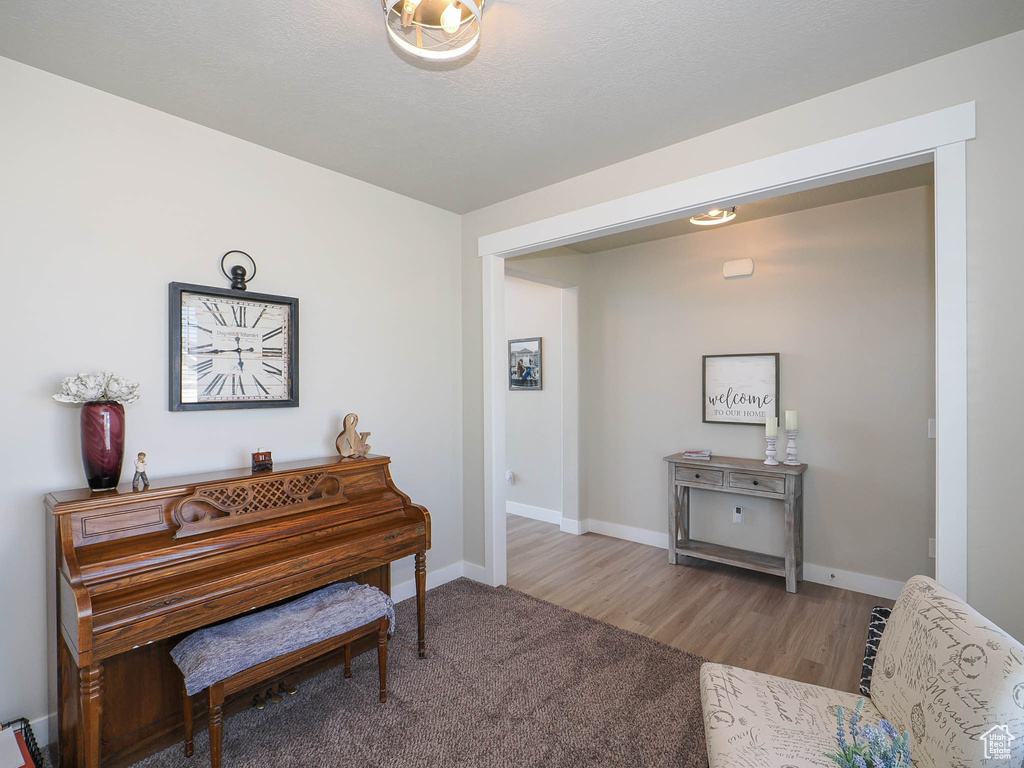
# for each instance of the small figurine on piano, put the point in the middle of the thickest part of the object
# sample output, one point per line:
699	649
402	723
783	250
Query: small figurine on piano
350	442
141	479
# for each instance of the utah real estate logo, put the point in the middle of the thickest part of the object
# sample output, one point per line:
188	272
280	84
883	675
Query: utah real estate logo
997	742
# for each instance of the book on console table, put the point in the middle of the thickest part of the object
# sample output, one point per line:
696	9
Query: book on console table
697	455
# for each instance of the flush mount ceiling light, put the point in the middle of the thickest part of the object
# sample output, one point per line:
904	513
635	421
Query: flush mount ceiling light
714	216
434	29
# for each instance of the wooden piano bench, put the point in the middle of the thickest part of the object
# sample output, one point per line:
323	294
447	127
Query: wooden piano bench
230	657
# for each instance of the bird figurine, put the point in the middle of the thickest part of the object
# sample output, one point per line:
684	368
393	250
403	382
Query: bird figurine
350	442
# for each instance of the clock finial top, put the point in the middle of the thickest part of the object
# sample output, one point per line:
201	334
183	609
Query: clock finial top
238	272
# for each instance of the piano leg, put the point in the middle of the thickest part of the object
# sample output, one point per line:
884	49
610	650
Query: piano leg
216	722
90	692
382	658
187	710
421	595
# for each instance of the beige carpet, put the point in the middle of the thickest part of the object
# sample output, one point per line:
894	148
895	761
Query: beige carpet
509	681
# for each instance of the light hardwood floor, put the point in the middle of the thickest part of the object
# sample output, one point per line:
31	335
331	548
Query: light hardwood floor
724	614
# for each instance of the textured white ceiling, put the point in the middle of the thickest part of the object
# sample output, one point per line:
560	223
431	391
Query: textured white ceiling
554	90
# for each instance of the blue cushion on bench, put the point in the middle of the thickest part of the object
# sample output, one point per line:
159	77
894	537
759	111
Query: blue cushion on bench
219	652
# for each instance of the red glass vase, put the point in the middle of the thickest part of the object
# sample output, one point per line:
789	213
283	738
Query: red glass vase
102	444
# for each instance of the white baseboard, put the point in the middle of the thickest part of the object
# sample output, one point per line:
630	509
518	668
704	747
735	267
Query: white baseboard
534	513
639	535
476	573
575	527
819	574
855	582
435	578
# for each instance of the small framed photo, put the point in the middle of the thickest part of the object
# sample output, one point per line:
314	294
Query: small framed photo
524	364
741	389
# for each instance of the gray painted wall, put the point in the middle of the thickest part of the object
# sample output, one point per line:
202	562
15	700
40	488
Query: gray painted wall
862	381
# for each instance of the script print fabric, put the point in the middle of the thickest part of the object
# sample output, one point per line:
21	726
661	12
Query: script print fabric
753	720
948	675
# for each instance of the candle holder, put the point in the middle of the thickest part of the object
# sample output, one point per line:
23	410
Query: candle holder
791	448
770	452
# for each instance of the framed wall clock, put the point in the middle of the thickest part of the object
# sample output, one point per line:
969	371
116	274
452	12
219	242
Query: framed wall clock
232	348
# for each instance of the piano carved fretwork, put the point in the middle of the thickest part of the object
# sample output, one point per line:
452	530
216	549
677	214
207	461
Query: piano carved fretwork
137	570
224	505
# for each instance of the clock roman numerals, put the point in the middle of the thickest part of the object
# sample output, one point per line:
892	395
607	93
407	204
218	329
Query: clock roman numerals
237	350
202	368
237	385
216	386
216	313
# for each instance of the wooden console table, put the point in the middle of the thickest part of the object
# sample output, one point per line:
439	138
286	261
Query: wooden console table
749	477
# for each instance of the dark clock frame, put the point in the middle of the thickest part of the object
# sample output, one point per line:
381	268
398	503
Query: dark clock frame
174	348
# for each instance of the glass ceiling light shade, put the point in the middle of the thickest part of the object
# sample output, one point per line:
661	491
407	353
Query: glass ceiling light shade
434	29
714	216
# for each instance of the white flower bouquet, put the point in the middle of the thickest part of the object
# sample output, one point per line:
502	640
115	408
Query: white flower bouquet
96	388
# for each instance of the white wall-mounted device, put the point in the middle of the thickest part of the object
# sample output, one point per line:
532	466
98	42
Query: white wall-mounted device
738	268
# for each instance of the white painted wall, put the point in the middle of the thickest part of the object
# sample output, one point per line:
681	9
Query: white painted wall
863	381
986	74
104	202
533	438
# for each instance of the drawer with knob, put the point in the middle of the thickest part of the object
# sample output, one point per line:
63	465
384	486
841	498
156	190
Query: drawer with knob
704	476
751	482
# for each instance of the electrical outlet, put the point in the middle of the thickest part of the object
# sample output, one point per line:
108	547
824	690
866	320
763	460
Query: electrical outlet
931	429
737	515
931	548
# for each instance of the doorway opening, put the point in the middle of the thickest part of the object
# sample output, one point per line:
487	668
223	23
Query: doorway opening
842	289
541	401
937	137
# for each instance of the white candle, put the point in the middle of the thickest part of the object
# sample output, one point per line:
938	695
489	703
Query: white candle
791	421
771	426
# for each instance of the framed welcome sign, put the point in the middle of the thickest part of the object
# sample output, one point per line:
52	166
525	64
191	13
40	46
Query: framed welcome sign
741	389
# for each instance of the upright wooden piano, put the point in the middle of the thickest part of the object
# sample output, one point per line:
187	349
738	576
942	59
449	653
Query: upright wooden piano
137	570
